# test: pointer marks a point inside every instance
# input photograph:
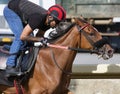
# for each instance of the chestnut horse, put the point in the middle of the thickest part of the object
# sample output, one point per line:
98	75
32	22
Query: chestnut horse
53	67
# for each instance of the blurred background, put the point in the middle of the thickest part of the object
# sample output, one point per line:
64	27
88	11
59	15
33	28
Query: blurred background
91	75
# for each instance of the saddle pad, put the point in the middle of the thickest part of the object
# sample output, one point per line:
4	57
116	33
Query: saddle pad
28	60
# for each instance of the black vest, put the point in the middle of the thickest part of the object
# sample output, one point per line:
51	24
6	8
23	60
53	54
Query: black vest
25	8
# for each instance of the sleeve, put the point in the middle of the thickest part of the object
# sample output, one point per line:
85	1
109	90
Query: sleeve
34	21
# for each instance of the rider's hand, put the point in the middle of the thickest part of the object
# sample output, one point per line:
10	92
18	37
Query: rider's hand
38	44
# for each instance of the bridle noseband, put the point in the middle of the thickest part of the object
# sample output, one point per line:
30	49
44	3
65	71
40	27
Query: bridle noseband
95	45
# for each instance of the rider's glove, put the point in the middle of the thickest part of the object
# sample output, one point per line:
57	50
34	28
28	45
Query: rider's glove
44	41
38	44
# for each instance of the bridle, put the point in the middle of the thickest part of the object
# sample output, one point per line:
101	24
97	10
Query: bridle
95	45
74	49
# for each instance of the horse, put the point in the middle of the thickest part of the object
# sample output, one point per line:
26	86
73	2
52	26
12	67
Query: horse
53	66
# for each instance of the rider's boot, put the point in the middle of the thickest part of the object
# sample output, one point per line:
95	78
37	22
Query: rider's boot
12	71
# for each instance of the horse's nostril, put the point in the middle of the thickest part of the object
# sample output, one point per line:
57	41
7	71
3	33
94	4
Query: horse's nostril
110	52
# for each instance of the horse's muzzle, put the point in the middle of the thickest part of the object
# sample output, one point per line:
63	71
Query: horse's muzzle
101	42
103	49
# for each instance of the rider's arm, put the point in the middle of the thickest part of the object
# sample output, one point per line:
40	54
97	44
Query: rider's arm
25	36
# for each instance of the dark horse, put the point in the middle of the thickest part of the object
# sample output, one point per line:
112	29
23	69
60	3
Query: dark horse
52	70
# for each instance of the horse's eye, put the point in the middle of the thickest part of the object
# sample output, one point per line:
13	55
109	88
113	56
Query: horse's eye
61	24
91	34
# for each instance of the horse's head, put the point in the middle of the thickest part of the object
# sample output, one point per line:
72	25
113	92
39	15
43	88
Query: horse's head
93	40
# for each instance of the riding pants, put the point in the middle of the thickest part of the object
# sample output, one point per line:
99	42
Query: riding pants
16	27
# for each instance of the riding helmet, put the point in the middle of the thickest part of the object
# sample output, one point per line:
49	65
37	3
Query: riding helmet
58	12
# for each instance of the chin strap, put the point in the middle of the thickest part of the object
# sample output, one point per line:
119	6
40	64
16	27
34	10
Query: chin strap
53	19
49	21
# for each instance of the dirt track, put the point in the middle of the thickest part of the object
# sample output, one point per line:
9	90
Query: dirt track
95	86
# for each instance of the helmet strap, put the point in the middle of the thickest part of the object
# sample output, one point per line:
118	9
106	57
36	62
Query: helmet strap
49	21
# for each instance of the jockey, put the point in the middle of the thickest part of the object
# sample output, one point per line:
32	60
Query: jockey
23	17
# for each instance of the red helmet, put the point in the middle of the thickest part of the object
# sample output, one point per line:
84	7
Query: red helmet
58	12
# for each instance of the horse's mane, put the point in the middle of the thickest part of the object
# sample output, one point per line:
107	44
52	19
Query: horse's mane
61	29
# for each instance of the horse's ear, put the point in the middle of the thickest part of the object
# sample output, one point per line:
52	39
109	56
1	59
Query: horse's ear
73	20
81	17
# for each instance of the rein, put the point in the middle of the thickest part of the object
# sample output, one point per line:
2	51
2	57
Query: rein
63	47
53	57
70	48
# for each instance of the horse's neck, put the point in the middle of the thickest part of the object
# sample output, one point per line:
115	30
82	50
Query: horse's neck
70	39
64	58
